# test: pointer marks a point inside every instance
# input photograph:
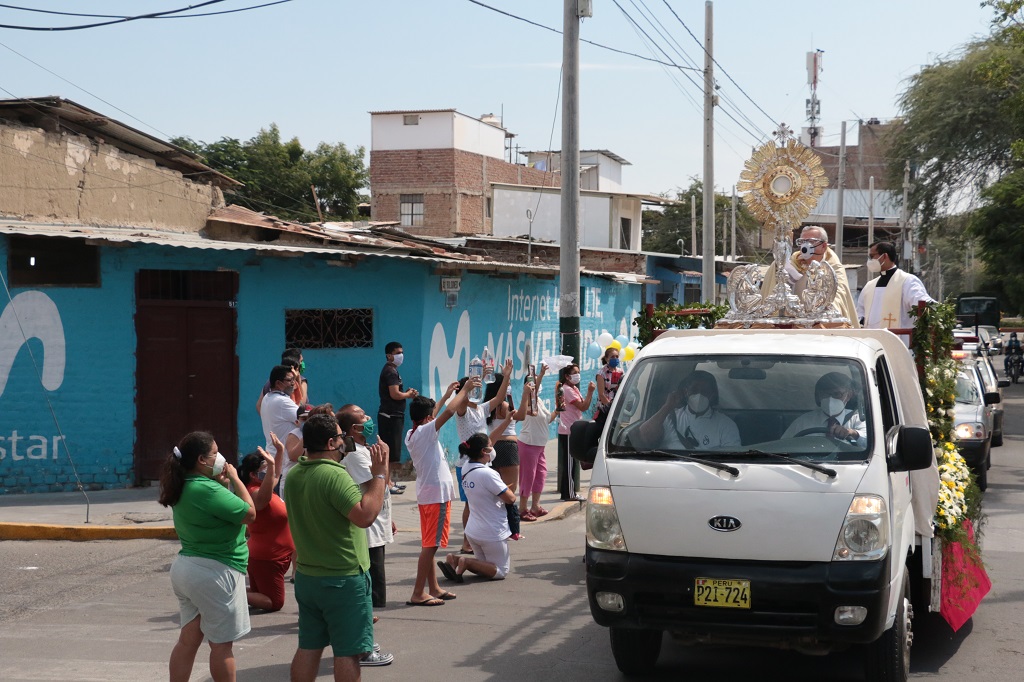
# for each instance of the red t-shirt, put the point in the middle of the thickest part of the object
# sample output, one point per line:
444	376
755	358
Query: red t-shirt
269	536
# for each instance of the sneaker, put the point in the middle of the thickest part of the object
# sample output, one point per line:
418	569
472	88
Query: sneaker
376	648
376	658
395	490
401	486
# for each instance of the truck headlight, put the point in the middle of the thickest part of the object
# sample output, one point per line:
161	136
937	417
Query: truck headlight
603	529
970	431
865	533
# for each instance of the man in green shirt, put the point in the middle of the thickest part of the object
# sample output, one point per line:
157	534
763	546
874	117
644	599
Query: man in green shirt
328	513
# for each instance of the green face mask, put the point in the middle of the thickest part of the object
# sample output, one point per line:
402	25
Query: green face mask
302	366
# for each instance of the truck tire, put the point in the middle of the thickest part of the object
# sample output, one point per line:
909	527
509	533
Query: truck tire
636	651
887	659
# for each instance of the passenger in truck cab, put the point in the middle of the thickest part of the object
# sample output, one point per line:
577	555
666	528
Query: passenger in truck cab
690	419
834	417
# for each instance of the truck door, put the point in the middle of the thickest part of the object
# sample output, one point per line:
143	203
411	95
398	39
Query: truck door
899	481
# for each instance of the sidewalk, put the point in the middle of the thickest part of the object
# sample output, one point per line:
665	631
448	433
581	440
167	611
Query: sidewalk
134	513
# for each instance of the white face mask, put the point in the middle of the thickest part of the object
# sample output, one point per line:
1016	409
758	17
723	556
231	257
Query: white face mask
698	403
492	455
874	266
832	406
398	358
574	378
218	465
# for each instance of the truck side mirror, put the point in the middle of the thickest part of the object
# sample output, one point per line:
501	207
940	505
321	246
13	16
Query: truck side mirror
912	449
583	437
992	397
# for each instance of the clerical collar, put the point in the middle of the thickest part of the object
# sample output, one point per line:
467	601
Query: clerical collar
884	278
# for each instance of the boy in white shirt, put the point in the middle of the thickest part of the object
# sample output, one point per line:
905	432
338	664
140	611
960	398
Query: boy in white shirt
434	488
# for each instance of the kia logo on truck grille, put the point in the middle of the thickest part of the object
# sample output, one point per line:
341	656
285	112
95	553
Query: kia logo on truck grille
724	524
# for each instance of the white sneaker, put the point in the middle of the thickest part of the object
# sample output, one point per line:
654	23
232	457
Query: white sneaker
376	658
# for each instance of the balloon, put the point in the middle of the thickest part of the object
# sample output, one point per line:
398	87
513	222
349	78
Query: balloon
594	351
615	344
623	340
605	339
628	354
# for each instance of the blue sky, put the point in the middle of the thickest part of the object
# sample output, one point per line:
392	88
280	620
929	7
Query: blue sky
316	67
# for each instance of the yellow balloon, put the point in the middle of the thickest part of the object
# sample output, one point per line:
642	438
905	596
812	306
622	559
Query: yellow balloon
616	345
628	353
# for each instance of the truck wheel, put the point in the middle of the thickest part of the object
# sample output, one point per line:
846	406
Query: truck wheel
887	659
635	651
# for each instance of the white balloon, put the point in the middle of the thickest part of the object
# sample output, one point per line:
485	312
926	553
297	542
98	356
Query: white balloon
605	340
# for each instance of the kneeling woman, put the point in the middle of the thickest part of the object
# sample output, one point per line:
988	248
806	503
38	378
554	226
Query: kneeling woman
487	530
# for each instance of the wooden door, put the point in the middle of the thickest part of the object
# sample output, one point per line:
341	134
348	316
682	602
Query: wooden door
186	369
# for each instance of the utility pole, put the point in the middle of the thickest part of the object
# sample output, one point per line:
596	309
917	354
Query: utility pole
707	283
904	213
840	181
693	225
871	210
734	223
569	251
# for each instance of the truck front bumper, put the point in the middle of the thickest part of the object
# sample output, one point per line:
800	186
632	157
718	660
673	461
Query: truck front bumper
791	603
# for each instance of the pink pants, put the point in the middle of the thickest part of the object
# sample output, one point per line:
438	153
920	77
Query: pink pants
533	469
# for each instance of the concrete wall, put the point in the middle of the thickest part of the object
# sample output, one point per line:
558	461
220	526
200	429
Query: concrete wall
52	177
87	343
434	131
455	183
599	216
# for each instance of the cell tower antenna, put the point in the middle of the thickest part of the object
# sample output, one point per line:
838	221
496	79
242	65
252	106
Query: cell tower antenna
814	132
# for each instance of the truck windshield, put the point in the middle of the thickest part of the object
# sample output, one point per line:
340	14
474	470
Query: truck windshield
720	406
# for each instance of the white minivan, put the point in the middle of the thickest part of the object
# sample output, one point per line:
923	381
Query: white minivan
754	487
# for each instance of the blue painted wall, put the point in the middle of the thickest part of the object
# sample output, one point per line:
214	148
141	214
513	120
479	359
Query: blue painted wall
93	396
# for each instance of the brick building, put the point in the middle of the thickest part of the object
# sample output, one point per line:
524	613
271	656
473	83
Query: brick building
441	173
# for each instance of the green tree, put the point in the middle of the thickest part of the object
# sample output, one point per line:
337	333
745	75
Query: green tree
664	229
999	228
960	119
277	175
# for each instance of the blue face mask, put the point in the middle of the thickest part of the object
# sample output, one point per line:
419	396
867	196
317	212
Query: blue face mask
260	475
613	363
369	430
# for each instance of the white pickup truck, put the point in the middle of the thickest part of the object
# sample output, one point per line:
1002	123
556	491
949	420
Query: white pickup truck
763	487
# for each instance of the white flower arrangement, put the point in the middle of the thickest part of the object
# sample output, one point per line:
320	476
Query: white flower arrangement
954	477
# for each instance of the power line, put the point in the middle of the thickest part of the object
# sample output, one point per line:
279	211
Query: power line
723	110
154	128
582	40
117	19
770	118
663	31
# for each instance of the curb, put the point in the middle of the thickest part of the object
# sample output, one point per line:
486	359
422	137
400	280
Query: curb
44	531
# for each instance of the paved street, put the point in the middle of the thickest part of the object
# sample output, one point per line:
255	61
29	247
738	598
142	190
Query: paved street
104	610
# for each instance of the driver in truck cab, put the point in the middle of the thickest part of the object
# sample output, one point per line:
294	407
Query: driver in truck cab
690	420
833	394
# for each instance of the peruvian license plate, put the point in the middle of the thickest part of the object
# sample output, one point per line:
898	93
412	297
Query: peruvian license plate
729	594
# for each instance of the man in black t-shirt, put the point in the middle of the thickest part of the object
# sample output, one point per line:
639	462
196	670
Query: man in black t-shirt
391	413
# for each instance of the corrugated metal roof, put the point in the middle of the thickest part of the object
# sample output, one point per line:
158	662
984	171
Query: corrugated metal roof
186	240
189	240
85	121
609	154
648	198
413	111
239	215
856	204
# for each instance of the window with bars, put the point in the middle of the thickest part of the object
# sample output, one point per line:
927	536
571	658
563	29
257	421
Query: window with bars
52	261
411	209
329	328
